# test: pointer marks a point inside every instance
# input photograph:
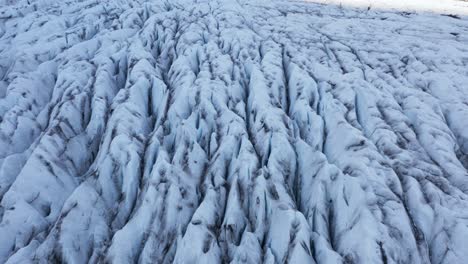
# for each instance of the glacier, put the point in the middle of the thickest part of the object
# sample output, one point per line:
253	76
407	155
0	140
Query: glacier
231	131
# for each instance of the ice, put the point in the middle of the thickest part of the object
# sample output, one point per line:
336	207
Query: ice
231	131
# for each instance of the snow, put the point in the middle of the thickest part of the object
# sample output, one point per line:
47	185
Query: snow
455	7
232	131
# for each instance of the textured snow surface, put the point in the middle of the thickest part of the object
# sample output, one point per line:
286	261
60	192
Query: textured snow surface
231	131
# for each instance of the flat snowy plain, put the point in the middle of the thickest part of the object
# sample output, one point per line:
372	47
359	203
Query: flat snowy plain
184	131
456	7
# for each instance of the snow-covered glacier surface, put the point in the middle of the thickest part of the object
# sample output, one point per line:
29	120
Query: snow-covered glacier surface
231	131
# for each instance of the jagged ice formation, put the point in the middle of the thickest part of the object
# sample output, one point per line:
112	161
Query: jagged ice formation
184	131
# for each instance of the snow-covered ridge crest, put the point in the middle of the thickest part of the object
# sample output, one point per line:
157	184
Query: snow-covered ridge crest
231	131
